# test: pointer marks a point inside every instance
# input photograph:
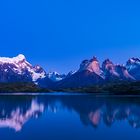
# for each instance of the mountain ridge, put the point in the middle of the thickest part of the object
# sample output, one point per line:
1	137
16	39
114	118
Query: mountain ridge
90	72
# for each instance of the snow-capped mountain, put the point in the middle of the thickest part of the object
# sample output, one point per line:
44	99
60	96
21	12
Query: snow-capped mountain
55	76
90	73
133	67
17	69
70	74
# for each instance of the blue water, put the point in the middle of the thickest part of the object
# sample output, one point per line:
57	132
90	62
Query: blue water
73	117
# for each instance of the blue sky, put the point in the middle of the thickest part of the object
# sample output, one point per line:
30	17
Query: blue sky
59	34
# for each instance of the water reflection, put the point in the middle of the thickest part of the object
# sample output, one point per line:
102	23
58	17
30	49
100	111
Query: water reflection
15	111
15	114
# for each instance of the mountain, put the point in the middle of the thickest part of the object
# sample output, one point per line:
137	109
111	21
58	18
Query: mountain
123	73
50	80
17	69
70	74
110	70
115	72
55	76
88	74
80	79
133	67
92	66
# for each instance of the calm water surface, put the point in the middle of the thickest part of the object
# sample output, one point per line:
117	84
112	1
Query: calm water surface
69	118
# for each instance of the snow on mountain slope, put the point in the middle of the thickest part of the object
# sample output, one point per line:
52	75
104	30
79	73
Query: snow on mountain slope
70	73
55	76
18	66
133	63
14	60
133	67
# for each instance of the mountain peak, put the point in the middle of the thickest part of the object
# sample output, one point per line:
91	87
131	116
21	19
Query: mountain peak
19	68
92	65
55	76
107	61
20	57
133	60
107	65
94	58
16	59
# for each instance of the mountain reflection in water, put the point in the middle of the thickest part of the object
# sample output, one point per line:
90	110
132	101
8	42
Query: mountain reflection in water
15	111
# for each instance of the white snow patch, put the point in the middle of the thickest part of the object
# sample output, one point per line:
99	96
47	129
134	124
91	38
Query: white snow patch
20	65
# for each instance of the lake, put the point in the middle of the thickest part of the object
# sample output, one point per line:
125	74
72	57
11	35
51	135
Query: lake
69	117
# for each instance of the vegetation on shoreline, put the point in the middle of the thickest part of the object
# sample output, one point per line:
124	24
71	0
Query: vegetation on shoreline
21	87
118	88
110	88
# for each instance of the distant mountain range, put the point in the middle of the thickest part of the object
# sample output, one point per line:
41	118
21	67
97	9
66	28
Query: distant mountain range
18	69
